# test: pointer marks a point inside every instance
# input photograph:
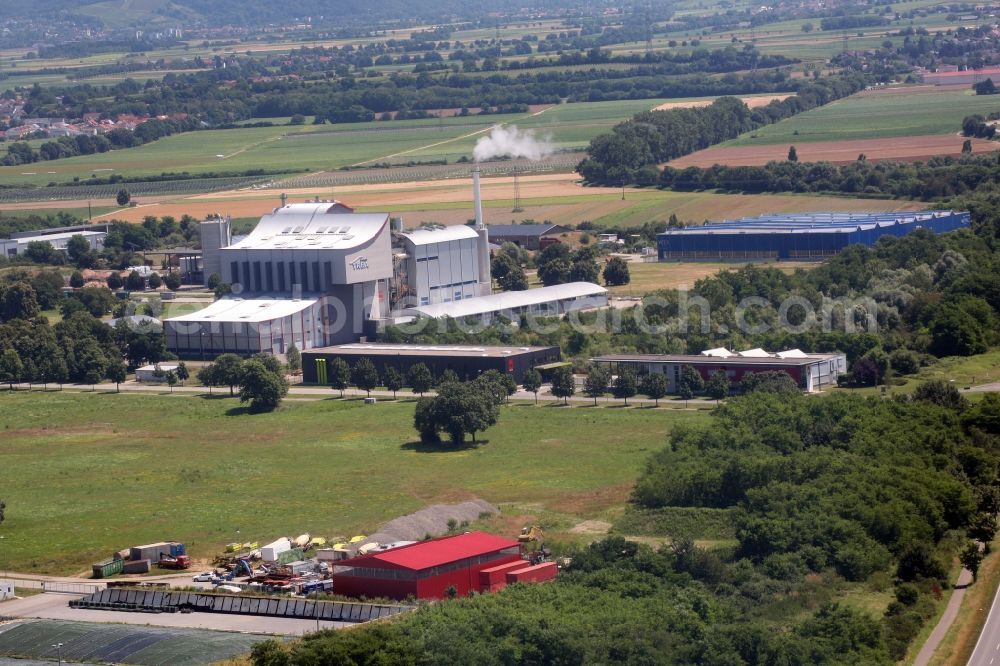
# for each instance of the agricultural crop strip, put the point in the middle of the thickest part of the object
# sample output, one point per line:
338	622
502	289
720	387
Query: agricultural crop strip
109	191
404	174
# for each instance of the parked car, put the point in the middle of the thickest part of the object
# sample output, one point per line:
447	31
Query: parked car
205	577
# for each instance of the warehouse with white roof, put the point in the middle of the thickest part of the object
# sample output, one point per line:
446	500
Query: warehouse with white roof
551	301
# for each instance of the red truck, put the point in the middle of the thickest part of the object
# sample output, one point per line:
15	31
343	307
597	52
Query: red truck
179	562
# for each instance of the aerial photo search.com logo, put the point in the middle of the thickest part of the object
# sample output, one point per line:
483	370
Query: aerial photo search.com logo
360	264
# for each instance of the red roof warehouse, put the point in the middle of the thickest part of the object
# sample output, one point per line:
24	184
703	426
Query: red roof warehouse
425	570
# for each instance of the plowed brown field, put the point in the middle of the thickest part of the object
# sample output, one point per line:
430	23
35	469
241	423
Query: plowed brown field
906	149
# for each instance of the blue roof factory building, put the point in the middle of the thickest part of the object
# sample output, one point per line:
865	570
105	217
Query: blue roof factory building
799	236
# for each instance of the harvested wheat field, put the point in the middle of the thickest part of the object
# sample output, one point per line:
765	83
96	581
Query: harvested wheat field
905	149
753	101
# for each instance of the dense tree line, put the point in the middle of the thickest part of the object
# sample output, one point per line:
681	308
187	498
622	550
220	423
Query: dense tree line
853	485
936	178
631	152
79	348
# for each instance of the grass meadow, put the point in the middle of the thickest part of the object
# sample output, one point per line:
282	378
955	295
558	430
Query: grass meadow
84	474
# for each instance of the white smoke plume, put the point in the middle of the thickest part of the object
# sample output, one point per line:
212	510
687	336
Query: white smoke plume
512	142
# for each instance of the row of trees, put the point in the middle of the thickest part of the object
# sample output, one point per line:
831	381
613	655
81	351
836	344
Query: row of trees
80	348
936	178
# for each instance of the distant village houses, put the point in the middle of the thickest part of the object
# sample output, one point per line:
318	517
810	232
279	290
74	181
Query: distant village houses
91	124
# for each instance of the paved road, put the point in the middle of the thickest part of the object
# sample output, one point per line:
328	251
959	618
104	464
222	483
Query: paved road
324	392
950	613
985	388
987	651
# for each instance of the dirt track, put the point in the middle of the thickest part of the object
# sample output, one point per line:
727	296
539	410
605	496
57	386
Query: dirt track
907	149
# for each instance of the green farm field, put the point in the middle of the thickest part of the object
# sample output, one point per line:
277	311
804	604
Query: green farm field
884	114
312	147
86	473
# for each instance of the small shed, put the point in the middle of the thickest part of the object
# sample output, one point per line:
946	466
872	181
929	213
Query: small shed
147	373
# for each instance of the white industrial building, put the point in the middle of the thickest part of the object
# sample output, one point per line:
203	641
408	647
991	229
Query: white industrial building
510	305
317	274
19	245
439	265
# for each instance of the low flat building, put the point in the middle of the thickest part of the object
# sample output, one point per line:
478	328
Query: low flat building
797	236
147	373
528	236
19	245
812	372
551	301
466	361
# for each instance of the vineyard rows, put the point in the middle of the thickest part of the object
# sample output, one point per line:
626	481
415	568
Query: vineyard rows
149	188
404	174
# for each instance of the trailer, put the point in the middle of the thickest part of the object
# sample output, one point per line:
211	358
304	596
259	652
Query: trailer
108	567
156	551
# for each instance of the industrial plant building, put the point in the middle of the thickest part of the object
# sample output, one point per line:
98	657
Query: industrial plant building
451	566
800	236
812	372
316	274
466	361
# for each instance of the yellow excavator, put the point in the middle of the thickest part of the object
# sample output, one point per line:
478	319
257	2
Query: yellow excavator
532	540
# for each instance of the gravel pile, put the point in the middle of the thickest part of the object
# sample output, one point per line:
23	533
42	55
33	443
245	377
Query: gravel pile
433	521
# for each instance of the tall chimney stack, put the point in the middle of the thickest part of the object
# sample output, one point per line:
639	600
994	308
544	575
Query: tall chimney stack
478	197
485	279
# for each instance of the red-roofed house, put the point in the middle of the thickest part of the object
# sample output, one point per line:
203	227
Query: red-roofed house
425	570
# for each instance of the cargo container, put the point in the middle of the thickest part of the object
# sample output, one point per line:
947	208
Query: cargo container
136	567
332	554
108	567
494	579
270	552
156	551
536	574
317	586
301	566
